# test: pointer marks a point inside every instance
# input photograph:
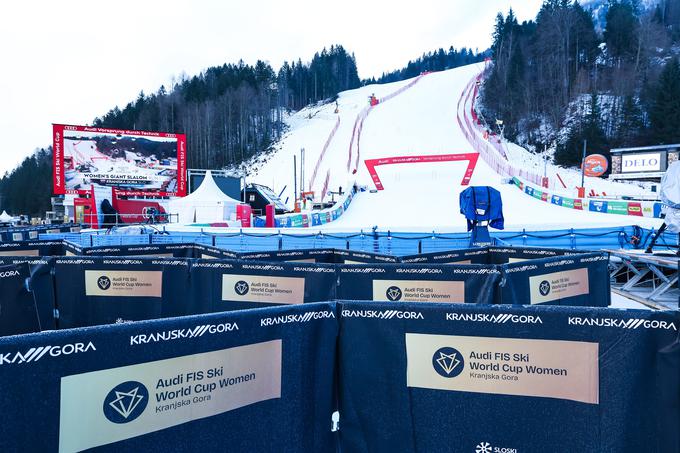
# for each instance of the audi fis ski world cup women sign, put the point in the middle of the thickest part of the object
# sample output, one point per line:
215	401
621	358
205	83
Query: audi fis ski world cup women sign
132	162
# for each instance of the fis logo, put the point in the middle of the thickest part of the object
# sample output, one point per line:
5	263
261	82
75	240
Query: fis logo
35	354
125	402
448	362
180	334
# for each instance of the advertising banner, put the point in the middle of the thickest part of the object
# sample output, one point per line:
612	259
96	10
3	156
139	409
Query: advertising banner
581	279
169	385
491	378
222	285
477	255
133	162
32	248
470	157
103	290
418	283
18	313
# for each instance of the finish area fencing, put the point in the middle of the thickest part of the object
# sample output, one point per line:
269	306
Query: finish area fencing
630	237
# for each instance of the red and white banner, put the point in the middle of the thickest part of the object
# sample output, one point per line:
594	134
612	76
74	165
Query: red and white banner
136	163
470	157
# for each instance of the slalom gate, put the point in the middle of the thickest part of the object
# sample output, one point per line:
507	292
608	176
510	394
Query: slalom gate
403	377
105	285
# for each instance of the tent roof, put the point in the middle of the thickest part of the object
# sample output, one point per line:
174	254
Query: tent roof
4	217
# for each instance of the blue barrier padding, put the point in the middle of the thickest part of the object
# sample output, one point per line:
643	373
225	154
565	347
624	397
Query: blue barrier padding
439	378
399	244
18	313
256	380
102	290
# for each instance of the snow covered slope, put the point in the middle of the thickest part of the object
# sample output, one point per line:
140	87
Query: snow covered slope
420	120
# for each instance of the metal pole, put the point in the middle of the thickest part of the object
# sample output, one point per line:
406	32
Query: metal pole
294	179
545	161
583	163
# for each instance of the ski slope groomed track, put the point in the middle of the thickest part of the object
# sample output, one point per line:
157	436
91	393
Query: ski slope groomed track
416	123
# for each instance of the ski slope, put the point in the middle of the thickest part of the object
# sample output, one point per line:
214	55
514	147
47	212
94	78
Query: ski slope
420	120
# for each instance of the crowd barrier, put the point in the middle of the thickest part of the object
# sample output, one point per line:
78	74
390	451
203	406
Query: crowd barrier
217	285
407	378
104	285
508	379
30	233
401	244
630	208
17	306
418	283
243	381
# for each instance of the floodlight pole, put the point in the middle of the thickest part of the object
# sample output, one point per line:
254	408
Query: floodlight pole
583	163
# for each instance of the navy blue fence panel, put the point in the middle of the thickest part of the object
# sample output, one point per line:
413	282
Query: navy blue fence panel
581	279
465	378
222	285
103	290
18	313
241	381
418	283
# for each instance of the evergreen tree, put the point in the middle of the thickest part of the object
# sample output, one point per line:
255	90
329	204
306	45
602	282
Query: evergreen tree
620	33
665	110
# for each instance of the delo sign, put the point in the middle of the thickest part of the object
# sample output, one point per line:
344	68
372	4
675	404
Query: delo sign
632	163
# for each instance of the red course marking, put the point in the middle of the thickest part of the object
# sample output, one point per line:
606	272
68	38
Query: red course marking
470	157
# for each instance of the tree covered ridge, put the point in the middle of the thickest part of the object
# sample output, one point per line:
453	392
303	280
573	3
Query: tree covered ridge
232	112
557	81
438	60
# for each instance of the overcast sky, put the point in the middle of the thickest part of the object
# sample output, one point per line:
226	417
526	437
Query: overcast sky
70	61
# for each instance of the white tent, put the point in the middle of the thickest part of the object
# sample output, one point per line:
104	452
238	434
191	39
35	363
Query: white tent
206	204
5	218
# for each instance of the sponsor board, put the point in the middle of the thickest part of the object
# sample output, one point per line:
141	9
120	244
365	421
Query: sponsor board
419	291
631	163
263	289
34	354
20	253
567	370
101	407
558	285
517	260
123	283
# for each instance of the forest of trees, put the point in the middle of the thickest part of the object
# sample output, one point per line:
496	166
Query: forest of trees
556	81
438	60
229	113
233	111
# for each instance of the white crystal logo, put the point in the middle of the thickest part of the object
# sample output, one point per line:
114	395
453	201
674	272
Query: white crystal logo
448	362
126	402
393	293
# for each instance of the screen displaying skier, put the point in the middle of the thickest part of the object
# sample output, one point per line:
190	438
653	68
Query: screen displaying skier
133	162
